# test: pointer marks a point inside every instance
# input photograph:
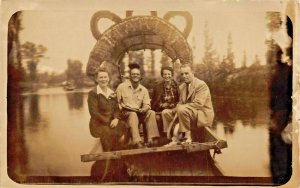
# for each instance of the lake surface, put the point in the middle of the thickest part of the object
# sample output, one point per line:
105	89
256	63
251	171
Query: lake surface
52	131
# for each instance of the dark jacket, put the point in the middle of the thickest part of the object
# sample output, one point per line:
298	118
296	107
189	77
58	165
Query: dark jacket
103	111
157	96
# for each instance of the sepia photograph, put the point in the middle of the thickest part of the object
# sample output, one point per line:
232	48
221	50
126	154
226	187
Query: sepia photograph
200	93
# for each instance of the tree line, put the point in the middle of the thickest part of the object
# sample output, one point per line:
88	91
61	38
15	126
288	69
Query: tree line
219	73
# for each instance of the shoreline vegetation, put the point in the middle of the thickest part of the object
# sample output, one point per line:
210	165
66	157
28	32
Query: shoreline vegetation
249	81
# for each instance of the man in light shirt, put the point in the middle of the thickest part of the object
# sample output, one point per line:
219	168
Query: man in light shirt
134	101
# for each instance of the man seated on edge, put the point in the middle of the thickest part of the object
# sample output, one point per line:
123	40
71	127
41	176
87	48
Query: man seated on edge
195	105
134	101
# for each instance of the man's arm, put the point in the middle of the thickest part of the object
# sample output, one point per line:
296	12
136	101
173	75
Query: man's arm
119	96
201	95
146	101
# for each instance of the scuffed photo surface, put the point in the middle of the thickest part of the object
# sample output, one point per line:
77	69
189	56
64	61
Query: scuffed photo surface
235	52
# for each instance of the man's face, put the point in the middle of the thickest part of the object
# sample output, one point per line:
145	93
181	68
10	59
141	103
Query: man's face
135	75
186	74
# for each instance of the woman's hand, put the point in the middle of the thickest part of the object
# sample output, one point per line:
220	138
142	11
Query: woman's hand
112	96
114	123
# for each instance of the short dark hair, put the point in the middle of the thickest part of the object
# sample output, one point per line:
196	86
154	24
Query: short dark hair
134	66
166	68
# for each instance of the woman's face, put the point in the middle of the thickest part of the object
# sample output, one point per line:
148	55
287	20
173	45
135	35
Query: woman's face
167	75
102	79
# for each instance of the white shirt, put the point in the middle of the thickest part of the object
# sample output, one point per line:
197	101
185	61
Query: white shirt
108	92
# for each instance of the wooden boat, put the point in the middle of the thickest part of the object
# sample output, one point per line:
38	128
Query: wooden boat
160	164
181	163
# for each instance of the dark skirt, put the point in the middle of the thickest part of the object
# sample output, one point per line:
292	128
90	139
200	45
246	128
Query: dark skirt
110	137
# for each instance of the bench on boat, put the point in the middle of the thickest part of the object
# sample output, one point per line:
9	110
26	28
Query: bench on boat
157	164
210	142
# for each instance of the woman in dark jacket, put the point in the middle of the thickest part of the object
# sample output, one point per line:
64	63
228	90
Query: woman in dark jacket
165	94
105	114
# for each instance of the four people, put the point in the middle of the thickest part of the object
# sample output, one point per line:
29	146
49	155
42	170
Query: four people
190	104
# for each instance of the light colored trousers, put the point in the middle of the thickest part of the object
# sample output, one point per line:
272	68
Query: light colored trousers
132	119
186	115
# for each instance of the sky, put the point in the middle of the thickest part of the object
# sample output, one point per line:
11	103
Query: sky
67	35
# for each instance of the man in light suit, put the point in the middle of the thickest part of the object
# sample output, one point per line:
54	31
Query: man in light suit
194	107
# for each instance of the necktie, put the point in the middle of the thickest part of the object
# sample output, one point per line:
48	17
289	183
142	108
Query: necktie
187	90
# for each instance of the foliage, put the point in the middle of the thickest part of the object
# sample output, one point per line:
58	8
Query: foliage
32	53
15	70
244	61
230	55
74	72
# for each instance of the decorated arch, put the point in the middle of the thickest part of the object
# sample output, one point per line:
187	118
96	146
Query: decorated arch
136	33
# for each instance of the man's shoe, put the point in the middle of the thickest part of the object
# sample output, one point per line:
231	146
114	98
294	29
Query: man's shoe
153	143
139	145
187	141
172	143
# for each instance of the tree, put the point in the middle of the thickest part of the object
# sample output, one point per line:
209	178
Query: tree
152	63
244	62
274	23
256	61
209	59
230	54
15	70
165	60
32	53
74	72
13	41
193	49
138	58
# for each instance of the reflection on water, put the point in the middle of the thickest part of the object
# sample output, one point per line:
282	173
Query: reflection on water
75	100
52	132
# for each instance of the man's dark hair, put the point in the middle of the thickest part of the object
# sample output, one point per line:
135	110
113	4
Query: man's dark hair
134	66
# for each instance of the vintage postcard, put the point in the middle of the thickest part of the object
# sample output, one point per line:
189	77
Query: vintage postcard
198	93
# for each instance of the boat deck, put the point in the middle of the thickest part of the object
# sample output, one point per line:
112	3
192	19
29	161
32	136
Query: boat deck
187	148
179	161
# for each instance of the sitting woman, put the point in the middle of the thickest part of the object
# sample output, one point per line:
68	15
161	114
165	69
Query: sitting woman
104	110
165	94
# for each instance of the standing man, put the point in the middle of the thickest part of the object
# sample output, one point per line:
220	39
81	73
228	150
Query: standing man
194	107
134	101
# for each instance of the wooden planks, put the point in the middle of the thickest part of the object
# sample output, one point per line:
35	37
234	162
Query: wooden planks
194	147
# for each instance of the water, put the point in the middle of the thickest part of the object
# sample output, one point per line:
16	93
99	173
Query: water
54	132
